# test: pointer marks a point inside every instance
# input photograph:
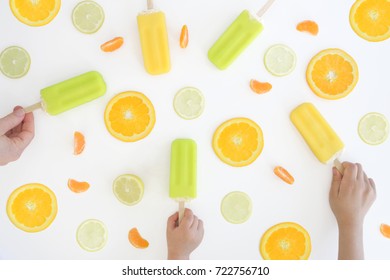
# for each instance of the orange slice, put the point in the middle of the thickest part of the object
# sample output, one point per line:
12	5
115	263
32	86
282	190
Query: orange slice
77	187
184	37
308	26
284	175
385	230
32	207
285	241
33	12
370	19
112	45
130	116
79	143
238	142
259	87
332	74
136	239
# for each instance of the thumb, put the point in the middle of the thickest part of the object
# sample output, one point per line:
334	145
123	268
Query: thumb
12	120
336	181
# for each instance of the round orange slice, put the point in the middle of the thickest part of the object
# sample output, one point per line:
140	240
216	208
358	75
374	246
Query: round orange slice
370	19
238	142
285	241
130	116
33	12
32	207
332	74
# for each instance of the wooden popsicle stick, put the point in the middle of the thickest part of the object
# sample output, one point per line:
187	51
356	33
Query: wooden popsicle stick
150	4
181	211
339	166
265	8
34	107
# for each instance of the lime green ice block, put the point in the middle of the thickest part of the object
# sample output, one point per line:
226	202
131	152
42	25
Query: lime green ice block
183	172
235	40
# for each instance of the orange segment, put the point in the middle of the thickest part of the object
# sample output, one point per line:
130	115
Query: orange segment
238	142
184	37
259	87
130	116
385	230
112	45
285	241
77	187
79	143
308	26
332	74
370	19
136	239
284	175
33	12
32	207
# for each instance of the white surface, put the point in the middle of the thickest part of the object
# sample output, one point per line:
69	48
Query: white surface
59	51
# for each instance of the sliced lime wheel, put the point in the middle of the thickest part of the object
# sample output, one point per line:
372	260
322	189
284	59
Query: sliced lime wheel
373	128
92	235
236	207
14	62
189	103
128	189
88	17
280	60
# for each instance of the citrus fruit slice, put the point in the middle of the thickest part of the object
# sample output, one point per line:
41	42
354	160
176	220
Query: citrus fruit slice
280	60
77	187
88	17
136	239
259	87
284	175
129	116
33	12
79	143
236	207
385	230
370	19
14	62
112	45
238	142
128	189
308	26
32	207
332	74
184	37
92	235
373	128
189	103
285	241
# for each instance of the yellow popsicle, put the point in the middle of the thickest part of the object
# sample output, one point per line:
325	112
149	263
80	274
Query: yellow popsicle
321	138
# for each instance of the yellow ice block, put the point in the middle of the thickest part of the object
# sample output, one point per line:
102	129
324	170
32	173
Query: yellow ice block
321	138
154	41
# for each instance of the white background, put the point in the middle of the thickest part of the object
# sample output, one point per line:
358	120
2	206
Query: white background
58	51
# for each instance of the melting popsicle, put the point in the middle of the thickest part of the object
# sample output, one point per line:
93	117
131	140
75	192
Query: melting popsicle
182	186
321	138
154	40
71	93
237	37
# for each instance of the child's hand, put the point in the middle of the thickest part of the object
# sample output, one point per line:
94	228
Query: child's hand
16	132
186	237
351	195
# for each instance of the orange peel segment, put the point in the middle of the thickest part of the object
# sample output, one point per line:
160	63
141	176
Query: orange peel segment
112	45
308	26
385	230
284	175
79	143
260	87
77	187
184	37
136	239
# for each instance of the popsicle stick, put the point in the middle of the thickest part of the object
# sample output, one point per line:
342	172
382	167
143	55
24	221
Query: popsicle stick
150	4
181	211
265	8
34	107
339	166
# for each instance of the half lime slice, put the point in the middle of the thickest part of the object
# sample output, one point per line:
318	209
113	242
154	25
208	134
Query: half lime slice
14	62
92	235
189	103
128	189
88	17
280	60
373	128
236	207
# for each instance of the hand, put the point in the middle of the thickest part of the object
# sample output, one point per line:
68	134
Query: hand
16	133
184	238
351	195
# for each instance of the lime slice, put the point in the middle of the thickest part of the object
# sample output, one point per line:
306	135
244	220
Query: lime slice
128	189
373	128
280	60
236	207
92	235
88	17
189	103
14	62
